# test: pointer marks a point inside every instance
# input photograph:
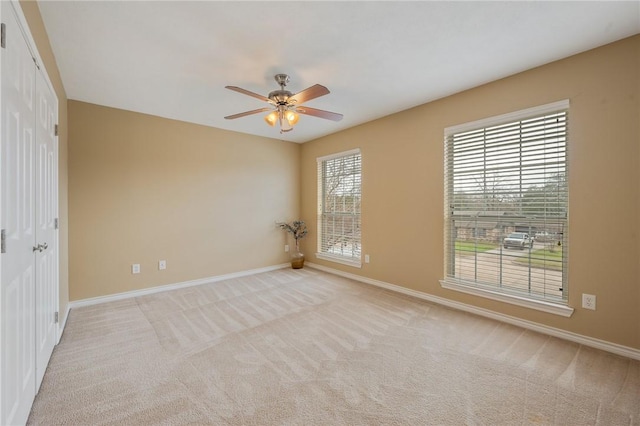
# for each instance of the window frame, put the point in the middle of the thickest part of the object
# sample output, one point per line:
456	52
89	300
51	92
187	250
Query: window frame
324	255
495	291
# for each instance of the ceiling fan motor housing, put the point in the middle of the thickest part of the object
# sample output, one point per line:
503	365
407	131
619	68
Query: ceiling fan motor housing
280	97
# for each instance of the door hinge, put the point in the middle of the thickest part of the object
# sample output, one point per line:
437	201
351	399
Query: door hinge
55	223
3	237
3	35
55	131
55	317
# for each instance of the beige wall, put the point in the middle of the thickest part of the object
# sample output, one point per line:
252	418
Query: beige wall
402	206
36	26
144	188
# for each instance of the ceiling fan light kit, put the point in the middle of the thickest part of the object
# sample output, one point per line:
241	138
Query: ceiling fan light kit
286	118
286	107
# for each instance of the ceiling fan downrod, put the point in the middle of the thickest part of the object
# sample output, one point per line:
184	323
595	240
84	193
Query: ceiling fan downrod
281	97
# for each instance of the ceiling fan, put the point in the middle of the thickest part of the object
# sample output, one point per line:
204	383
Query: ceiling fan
286	106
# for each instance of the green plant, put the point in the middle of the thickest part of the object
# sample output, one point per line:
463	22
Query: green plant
297	228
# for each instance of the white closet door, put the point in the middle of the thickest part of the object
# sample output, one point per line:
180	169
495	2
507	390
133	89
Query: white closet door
46	235
18	220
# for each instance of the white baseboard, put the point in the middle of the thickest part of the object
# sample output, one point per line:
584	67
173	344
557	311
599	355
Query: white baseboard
530	325
168	287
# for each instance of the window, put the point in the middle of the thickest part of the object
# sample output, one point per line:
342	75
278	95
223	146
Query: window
506	206
339	195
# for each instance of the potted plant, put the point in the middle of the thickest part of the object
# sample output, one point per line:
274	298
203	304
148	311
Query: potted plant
298	229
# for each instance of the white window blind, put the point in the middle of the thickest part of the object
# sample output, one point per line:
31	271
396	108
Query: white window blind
507	204
339	196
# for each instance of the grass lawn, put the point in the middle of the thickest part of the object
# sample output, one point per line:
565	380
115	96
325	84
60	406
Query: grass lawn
544	258
470	247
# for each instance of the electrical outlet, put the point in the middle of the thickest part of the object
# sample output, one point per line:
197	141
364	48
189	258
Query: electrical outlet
286	248
367	259
589	301
135	268
162	265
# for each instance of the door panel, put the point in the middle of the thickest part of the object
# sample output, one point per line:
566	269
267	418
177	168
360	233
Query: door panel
46	235
17	283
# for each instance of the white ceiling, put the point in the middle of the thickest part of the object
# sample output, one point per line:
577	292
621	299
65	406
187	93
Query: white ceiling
174	58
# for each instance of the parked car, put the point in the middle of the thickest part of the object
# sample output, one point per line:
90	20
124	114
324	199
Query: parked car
519	240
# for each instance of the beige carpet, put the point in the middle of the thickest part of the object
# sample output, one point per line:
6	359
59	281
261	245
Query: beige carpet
309	348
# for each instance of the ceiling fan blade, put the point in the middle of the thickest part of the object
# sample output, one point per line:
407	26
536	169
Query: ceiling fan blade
309	93
246	92
319	113
244	114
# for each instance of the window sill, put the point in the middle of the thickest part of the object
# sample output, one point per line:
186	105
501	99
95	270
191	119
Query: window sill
539	305
342	260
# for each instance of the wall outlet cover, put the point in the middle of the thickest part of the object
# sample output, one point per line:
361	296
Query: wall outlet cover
589	301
